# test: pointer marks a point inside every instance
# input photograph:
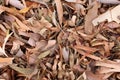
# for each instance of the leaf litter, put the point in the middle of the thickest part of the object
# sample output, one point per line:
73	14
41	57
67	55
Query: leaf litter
59	40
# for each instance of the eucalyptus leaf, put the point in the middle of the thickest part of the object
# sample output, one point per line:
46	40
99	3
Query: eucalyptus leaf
25	71
44	54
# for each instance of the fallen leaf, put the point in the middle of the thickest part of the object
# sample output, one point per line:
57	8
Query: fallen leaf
59	10
44	54
16	3
31	42
65	54
50	44
91	76
24	10
85	48
113	25
5	61
25	71
16	46
108	66
110	15
90	16
109	2
76	1
19	53
89	55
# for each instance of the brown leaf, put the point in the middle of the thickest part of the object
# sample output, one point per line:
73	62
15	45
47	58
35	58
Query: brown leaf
50	44
108	66
92	14
25	71
59	10
5	61
16	46
113	25
89	55
21	25
44	54
91	76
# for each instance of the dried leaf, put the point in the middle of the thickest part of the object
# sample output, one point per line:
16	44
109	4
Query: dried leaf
91	76
76	1
110	15
71	60
21	25
25	71
5	61
109	1
65	54
89	49
109	64
44	54
19	53
113	25
59	10
89	55
50	44
31	42
24	10
16	46
92	14
17	4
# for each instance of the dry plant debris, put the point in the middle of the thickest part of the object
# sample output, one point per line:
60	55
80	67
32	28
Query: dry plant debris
59	40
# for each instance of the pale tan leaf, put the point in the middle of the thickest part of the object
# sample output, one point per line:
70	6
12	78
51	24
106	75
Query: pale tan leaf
44	54
92	14
16	46
31	42
109	1
71	60
101	37
5	61
110	15
65	54
24	10
77	1
22	26
50	44
85	48
59	10
109	64
19	53
16	3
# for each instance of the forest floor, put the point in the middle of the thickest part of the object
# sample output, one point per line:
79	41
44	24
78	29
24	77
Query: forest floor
59	40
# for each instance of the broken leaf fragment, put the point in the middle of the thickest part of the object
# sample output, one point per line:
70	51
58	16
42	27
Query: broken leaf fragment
16	3
5	61
110	15
24	10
